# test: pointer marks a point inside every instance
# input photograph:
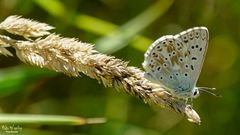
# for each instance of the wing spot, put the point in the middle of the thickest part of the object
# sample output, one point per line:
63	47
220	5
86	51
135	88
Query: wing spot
170	77
166	58
165	65
185	39
176	74
194	58
192	67
180	59
200	49
196	46
174	53
164	42
192	47
160	49
203	35
158	68
197	35
191	36
186	66
161	78
186	74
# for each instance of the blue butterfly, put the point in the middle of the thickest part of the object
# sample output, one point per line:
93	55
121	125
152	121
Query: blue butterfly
175	62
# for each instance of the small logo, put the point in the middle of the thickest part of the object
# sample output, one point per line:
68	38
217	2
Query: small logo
11	129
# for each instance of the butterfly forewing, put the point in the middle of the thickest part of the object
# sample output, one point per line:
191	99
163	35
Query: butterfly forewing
196	41
176	61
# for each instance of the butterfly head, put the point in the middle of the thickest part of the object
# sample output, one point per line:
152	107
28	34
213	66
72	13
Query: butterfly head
195	92
186	93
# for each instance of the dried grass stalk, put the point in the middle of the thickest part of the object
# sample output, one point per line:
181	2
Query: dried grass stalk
70	56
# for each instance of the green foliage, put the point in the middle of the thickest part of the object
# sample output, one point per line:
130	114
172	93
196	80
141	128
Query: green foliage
13	79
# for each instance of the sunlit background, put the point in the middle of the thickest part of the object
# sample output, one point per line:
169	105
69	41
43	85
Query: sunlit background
124	29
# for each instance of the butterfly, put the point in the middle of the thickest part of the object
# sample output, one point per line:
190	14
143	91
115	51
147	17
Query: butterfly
175	62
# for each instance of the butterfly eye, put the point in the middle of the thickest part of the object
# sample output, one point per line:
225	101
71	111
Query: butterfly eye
195	93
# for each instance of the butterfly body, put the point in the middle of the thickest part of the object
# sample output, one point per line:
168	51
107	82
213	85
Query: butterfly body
175	61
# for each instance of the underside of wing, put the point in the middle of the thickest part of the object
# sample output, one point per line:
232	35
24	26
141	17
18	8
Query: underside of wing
176	61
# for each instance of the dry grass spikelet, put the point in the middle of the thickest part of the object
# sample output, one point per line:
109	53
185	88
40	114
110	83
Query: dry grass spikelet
71	56
24	27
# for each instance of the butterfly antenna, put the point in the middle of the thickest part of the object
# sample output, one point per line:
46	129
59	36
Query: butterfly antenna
209	90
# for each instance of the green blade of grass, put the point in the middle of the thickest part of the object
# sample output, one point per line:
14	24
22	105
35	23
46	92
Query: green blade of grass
12	79
120	38
81	21
48	119
54	7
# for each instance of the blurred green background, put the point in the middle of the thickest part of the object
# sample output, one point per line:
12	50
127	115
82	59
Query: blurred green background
125	28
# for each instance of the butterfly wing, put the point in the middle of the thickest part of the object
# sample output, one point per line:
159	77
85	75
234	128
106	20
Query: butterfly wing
176	61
